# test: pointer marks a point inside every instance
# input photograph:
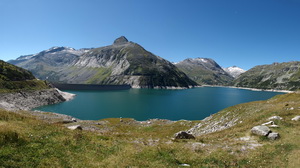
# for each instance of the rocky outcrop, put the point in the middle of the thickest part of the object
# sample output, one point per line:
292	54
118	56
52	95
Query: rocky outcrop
213	124
183	135
26	100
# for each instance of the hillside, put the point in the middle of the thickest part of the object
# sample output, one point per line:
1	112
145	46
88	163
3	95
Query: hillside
123	62
28	142
13	78
204	71
280	76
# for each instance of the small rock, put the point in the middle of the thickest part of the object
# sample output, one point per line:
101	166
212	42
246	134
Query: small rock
274	126
185	165
74	119
268	123
74	127
261	130
273	136
275	118
297	118
184	135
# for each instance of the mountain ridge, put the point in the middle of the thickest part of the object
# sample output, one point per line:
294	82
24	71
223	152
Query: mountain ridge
123	62
205	71
279	76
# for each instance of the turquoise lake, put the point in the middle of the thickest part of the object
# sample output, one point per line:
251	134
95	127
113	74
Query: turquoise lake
144	104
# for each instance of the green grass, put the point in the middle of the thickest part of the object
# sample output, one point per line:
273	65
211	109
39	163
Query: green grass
27	85
13	78
27	142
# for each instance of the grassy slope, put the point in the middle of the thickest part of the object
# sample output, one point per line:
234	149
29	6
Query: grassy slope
27	142
13	78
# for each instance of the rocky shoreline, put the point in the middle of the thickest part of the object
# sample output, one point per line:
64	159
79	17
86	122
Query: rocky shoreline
27	100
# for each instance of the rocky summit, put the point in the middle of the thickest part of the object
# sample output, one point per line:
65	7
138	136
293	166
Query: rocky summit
204	71
123	62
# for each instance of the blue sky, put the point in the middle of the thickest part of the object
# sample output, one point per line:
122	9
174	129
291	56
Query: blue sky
245	33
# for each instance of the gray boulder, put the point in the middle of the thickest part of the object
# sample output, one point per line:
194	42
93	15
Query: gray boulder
184	135
297	118
261	130
273	135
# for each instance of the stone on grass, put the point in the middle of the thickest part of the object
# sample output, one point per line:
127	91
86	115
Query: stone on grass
184	135
297	118
269	123
275	118
273	135
185	165
261	130
274	126
74	127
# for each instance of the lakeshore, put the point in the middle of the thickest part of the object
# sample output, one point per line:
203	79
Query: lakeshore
252	89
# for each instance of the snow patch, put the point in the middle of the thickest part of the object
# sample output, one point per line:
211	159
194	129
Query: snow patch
234	71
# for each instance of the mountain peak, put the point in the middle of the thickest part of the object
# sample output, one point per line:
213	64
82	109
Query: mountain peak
234	71
120	40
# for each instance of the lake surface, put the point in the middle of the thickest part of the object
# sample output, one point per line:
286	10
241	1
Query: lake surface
143	104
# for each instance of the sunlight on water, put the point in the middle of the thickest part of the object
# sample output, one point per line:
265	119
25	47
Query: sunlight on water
143	104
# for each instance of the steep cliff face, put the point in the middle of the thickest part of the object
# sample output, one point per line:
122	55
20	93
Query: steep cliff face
281	76
123	62
204	71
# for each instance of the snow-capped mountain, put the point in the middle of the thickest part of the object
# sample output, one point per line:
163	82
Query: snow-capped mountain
234	71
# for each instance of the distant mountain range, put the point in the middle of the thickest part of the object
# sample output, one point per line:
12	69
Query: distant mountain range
123	62
126	62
